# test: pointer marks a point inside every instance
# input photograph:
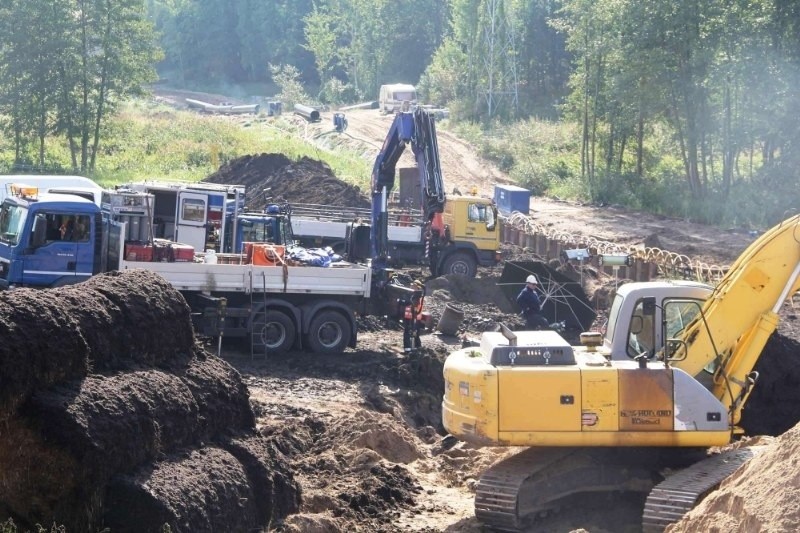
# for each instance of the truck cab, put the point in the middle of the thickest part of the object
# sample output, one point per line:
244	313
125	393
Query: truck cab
474	229
47	240
272	226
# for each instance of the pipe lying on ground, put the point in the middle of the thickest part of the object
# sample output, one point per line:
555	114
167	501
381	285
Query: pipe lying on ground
365	105
307	112
224	108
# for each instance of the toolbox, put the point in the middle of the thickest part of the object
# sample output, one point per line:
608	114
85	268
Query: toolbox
138	251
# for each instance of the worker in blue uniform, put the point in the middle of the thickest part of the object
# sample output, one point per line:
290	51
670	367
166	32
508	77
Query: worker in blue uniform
531	305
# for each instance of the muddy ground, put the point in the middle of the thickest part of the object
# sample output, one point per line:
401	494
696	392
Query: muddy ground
363	431
112	416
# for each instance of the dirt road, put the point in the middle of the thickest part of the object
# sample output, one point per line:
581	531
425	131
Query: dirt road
463	169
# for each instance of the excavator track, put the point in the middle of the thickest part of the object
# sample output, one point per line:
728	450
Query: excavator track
680	492
534	482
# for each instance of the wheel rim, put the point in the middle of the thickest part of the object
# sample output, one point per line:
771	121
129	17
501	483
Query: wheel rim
460	267
330	334
273	335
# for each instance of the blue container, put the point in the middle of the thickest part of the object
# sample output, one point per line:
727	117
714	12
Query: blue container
511	198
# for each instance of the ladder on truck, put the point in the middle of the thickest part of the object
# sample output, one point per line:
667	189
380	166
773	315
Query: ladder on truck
258	348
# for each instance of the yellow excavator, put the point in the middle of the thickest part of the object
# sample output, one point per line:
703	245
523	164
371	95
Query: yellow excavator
668	378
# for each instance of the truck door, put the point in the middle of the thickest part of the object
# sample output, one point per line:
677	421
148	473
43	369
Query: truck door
59	251
192	219
477	225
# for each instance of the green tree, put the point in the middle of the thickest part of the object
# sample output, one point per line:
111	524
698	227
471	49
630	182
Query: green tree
66	65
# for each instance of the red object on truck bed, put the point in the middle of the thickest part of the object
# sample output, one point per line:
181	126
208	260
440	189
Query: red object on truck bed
138	251
165	251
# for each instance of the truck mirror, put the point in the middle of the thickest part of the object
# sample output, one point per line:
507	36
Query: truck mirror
39	236
649	306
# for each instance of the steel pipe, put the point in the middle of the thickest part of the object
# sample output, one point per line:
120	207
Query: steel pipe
307	112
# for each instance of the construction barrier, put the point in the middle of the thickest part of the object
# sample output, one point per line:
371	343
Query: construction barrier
643	263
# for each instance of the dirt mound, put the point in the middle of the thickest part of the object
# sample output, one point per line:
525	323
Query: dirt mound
64	334
774	405
762	495
349	467
306	180
108	398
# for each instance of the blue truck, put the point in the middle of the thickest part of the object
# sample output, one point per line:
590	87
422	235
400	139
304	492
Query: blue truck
51	240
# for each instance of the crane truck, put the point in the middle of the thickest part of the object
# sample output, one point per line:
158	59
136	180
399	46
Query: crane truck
669	375
450	235
49	240
465	236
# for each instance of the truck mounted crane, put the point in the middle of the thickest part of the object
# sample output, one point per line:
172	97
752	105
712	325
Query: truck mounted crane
670	375
457	234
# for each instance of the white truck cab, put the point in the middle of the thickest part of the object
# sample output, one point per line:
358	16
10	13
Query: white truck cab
393	97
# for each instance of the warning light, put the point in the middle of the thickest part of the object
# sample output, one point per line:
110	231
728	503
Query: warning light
26	192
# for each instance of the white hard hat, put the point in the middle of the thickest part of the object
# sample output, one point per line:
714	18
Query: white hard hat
532	279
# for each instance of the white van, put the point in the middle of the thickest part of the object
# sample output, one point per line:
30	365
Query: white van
77	185
392	97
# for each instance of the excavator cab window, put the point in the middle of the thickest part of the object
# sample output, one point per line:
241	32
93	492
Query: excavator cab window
641	333
678	314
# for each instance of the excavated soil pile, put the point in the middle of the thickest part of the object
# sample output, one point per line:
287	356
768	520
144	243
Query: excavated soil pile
112	416
774	405
306	180
351	468
762	495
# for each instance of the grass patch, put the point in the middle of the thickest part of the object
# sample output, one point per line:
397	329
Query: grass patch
153	141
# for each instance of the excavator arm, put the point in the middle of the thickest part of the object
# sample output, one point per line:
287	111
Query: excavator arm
742	312
417	128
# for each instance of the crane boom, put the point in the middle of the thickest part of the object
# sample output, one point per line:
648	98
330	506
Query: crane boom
417	128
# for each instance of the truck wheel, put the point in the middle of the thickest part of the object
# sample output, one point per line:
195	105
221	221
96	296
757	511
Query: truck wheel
460	263
274	330
329	332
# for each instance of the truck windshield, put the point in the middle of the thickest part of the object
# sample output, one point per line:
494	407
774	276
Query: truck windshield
12	220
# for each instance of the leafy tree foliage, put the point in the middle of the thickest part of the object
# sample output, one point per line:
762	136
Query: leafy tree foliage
65	65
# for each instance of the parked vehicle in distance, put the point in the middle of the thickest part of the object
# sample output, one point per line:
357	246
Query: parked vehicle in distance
392	97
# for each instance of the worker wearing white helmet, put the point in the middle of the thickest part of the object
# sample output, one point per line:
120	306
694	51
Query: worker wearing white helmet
531	305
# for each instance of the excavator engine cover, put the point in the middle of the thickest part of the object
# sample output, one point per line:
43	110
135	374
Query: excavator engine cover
537	348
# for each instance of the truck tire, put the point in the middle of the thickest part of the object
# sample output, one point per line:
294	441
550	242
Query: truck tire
274	331
461	263
329	332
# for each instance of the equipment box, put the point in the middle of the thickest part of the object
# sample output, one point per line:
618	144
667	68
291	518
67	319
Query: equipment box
138	251
165	251
183	252
510	198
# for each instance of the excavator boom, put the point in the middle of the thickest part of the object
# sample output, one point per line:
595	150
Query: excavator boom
742	313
